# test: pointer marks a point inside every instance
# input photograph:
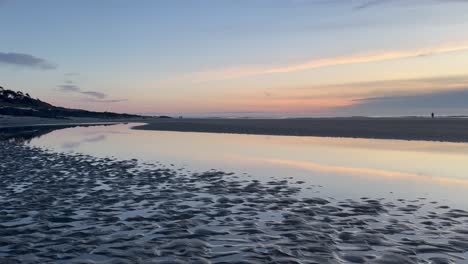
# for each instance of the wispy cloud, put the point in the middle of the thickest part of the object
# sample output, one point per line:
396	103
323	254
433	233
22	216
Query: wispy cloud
368	4
94	96
445	102
439	99
372	3
106	100
385	97
69	88
383	87
363	4
245	71
25	60
75	89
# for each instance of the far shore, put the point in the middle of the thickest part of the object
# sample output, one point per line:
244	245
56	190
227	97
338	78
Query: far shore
404	128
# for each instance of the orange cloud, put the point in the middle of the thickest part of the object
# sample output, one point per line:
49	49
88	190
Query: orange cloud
289	104
245	71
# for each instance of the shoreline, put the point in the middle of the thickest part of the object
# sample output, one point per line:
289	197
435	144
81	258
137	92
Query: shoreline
405	128
422	129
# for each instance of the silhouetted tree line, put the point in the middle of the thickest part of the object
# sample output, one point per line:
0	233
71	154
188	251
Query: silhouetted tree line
21	104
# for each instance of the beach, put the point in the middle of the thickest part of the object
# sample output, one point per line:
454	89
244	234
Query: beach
74	208
62	205
405	128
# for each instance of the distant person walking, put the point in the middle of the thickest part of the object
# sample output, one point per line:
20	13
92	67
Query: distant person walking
432	115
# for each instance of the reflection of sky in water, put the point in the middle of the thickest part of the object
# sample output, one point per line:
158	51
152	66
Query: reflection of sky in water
345	168
77	144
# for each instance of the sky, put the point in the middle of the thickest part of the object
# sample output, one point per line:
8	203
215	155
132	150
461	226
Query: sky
240	57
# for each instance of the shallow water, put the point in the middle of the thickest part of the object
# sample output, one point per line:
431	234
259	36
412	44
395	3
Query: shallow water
336	167
287	199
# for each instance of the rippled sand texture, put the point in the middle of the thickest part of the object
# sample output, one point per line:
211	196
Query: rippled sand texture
66	208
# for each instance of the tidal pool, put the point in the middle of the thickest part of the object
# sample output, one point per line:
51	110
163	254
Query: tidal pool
110	194
337	167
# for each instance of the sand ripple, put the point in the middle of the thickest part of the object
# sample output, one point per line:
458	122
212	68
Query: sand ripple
64	208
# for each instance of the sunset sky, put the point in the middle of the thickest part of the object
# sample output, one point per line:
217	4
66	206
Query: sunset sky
240	57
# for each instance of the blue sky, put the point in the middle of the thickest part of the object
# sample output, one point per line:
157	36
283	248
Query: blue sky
297	57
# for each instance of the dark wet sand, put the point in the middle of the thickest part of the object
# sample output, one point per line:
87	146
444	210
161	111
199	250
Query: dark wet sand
438	129
410	128
30	121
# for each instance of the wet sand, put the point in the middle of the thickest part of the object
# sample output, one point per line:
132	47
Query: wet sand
73	208
438	129
29	121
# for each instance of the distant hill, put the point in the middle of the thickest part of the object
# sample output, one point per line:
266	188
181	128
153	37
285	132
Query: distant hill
22	104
